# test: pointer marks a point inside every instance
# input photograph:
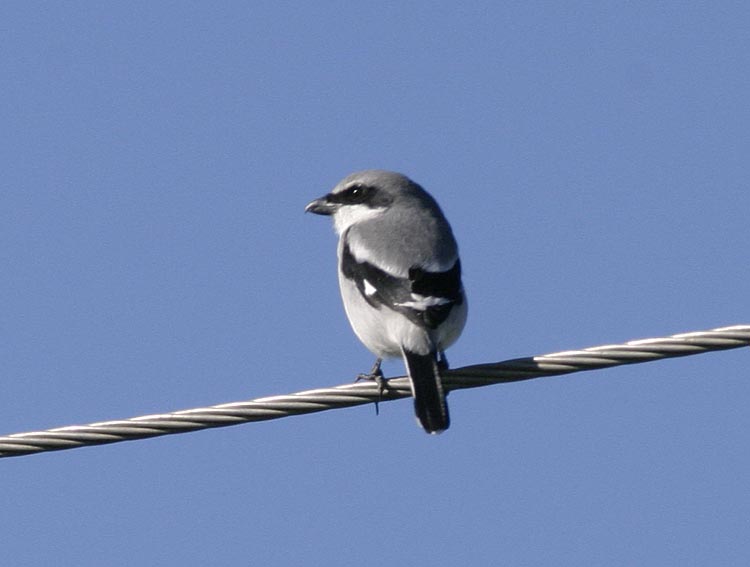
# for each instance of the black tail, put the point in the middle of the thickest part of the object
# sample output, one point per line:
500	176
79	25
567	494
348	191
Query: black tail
429	399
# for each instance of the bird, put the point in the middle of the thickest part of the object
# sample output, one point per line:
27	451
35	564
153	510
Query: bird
399	275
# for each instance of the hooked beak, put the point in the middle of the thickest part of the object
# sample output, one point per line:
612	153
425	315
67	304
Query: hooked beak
321	206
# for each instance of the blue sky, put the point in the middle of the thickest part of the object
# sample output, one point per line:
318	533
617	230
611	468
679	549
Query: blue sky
156	158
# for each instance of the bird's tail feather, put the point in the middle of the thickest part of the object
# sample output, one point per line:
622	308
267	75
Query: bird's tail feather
429	398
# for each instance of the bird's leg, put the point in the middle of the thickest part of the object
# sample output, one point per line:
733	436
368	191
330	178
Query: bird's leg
442	361
376	375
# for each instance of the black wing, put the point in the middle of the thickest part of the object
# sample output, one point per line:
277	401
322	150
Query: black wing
381	289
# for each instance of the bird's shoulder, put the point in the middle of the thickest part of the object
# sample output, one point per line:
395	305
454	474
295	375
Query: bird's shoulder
398	251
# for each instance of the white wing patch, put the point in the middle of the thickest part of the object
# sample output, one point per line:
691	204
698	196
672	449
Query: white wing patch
423	302
369	288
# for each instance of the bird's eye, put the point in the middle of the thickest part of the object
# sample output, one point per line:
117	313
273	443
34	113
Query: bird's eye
357	193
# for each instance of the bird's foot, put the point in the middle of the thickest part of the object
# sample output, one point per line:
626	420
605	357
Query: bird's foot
376	375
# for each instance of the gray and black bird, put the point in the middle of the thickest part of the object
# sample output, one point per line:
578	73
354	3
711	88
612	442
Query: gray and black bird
400	279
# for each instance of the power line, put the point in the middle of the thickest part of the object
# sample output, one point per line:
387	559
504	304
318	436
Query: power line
359	393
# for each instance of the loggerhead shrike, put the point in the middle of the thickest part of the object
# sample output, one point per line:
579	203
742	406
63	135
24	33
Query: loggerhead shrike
400	279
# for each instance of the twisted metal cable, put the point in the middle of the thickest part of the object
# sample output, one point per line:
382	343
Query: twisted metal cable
359	393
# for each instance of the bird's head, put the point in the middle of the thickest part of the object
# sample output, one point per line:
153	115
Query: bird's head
362	196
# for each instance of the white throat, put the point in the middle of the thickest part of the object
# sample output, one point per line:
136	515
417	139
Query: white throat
350	215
